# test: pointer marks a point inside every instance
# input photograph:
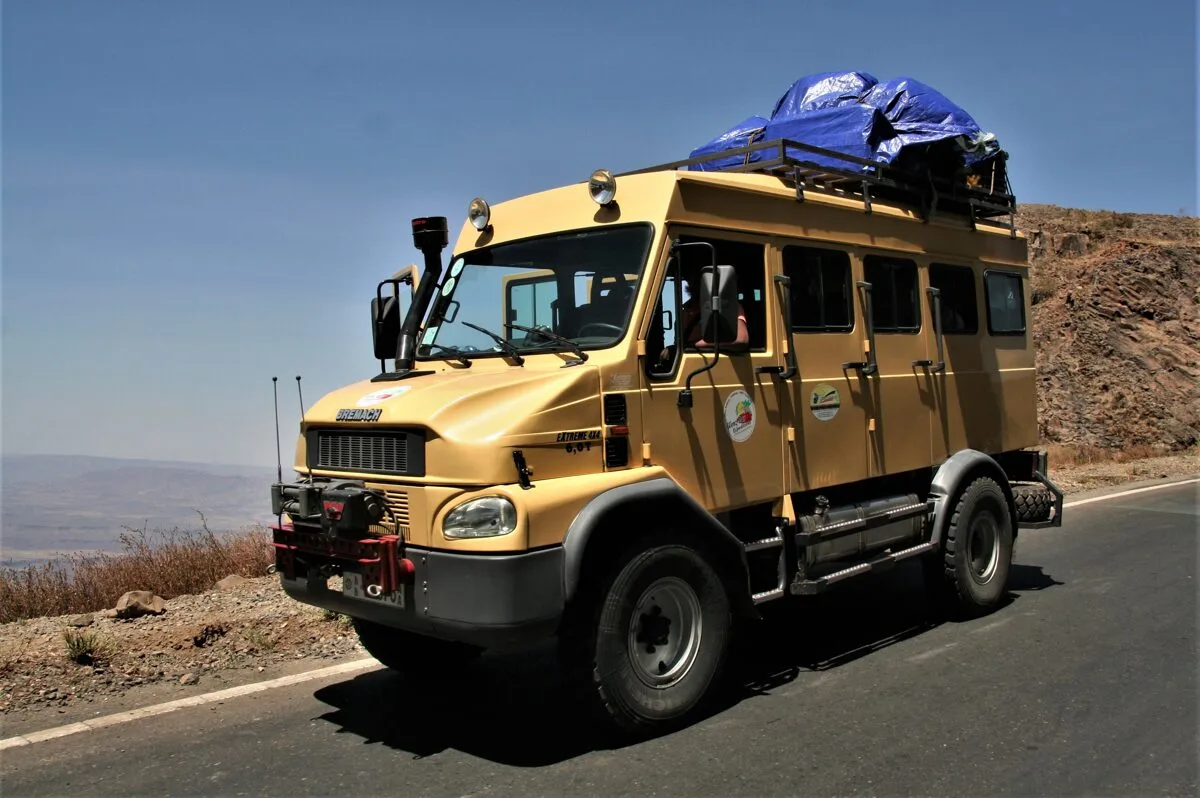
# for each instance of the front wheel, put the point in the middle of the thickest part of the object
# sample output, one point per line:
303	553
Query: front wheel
650	641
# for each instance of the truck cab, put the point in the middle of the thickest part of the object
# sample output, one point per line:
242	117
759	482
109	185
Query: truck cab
627	413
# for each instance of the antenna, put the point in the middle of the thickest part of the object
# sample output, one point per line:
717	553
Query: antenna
301	397
278	454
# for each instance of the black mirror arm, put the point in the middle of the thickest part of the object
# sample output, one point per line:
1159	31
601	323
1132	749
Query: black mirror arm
685	395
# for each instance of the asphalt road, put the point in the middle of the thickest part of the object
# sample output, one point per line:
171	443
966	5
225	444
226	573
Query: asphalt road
1084	683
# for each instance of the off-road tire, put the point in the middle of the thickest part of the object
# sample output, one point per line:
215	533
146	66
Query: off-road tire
1033	502
595	646
414	654
980	532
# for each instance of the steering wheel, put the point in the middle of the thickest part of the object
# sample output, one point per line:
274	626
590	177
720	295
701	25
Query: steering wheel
615	329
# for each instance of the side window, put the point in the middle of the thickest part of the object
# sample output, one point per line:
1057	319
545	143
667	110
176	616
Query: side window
749	262
1006	305
822	297
960	314
893	294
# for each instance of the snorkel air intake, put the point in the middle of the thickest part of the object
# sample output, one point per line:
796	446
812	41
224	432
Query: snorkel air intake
430	235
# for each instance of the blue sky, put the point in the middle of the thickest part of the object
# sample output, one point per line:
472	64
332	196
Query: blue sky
198	196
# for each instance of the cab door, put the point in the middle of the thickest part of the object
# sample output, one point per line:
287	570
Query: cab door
726	450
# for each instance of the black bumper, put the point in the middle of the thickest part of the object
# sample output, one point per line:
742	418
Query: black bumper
493	600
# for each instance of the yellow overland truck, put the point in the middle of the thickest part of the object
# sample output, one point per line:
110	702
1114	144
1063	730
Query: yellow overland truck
632	411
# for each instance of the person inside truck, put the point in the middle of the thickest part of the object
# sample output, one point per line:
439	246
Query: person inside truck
689	324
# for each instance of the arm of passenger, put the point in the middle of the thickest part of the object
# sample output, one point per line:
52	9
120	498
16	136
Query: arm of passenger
743	334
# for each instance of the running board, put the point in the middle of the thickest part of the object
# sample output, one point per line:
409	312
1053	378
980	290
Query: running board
808	587
775	542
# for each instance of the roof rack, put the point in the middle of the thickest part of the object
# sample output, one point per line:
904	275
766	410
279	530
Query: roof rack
866	180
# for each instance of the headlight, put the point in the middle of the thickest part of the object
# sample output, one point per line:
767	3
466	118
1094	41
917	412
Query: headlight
602	186
481	518
480	214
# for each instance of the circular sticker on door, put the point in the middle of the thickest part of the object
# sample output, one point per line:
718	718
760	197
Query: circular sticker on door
739	415
824	401
382	396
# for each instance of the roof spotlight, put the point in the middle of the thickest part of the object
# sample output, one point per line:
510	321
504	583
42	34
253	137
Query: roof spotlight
602	186
479	213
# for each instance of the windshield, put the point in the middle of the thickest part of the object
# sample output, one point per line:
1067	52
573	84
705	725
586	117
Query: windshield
570	291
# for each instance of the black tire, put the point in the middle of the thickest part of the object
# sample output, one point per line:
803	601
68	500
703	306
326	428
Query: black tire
971	570
414	654
1033	502
653	590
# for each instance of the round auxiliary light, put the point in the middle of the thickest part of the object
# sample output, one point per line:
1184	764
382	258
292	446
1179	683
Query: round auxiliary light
479	213
602	186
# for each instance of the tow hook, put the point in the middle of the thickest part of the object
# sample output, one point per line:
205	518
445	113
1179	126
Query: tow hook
374	591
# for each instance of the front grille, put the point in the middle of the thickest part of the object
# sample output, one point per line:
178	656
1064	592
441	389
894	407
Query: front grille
362	452
396	453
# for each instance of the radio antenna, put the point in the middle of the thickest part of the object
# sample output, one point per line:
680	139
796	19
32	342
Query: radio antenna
301	397
278	453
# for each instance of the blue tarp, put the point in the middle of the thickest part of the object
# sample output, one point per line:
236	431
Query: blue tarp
900	121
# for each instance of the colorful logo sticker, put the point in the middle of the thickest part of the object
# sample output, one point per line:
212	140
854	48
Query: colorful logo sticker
739	416
824	401
382	396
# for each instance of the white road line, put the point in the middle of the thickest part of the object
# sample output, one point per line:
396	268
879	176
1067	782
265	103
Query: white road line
1106	497
191	701
345	667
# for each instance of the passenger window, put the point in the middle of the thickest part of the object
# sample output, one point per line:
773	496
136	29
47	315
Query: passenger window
960	313
749	261
822	300
894	306
1006	305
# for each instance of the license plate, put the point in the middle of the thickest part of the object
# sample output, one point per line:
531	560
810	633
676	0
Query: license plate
352	586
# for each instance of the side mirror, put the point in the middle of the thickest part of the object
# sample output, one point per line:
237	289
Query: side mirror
386	318
385	326
718	304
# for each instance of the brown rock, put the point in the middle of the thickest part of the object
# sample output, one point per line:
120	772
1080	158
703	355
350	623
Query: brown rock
136	603
231	582
189	678
79	621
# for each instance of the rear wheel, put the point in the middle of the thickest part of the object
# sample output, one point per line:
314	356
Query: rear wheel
411	653
648	642
971	570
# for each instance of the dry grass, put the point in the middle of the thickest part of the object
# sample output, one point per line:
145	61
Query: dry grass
1062	455
170	563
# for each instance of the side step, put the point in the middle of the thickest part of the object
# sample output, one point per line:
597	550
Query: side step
774	542
808	587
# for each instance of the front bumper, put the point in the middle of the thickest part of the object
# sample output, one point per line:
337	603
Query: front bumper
489	600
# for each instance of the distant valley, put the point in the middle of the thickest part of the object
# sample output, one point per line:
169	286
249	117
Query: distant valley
57	503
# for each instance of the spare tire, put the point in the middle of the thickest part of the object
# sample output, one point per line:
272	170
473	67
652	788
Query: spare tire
1033	502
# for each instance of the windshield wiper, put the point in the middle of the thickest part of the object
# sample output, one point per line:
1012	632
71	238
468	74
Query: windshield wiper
506	345
455	354
553	336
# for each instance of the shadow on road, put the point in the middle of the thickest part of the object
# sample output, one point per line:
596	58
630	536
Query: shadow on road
512	708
